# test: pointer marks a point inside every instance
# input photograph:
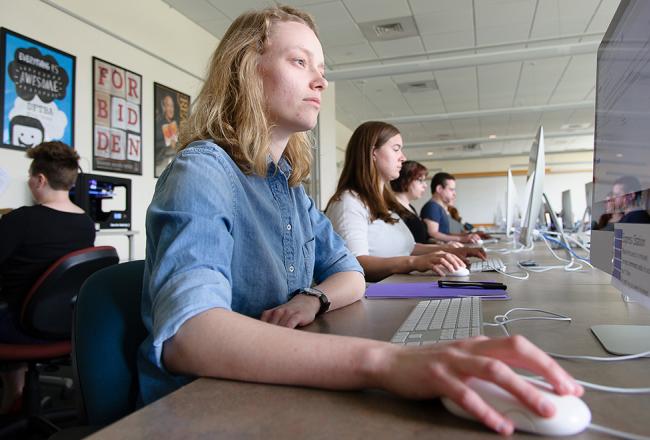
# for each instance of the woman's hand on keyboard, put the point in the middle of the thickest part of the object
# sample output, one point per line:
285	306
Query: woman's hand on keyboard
442	370
299	311
440	262
466	252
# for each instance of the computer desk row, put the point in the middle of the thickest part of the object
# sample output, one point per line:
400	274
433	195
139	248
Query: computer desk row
211	408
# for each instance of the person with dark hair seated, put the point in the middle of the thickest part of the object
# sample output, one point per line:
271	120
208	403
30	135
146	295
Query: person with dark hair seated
409	186
628	199
435	212
34	237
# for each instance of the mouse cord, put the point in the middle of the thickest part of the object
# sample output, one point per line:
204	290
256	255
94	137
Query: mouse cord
511	275
502	320
616	433
538	380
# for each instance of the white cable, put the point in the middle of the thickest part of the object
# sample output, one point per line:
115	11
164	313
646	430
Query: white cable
502	320
580	245
540	381
525	277
572	265
616	433
601	358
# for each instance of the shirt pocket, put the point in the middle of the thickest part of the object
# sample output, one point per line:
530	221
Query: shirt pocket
308	252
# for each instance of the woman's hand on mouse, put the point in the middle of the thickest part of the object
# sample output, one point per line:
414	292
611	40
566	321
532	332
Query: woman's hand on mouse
442	370
440	262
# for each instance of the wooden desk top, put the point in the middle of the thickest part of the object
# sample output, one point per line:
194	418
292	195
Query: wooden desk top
212	408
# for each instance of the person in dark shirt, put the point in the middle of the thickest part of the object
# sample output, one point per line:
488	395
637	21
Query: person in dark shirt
628	198
34	237
409	186
434	213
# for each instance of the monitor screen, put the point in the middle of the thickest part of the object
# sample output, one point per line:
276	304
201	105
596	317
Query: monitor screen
620	236
534	188
511	203
567	211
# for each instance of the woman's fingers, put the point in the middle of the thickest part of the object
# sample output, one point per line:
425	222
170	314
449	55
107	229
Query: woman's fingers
471	402
518	352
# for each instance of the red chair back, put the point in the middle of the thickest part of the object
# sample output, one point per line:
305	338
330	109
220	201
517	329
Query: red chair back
47	307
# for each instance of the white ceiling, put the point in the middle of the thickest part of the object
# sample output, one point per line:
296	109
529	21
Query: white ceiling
448	29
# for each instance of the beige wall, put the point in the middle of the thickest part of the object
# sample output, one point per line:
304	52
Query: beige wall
149	24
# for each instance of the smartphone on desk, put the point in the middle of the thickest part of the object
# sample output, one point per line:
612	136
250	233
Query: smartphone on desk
488	285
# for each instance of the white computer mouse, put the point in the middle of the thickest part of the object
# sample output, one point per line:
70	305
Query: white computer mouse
460	272
571	416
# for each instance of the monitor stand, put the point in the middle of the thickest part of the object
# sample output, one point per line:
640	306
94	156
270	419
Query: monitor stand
623	339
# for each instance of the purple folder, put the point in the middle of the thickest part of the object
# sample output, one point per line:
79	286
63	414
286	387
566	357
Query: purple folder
429	290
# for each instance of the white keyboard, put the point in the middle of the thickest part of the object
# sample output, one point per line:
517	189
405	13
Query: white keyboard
491	264
441	320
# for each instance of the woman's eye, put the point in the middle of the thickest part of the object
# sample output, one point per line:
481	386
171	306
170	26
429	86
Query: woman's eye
300	61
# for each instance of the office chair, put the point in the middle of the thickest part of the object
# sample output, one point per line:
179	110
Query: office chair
46	314
107	332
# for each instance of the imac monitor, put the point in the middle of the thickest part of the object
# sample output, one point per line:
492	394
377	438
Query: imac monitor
511	203
534	188
620	237
567	211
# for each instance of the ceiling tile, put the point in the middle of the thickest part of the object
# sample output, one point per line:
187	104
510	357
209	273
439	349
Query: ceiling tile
371	10
458	88
603	16
233	9
562	18
350	53
445	21
403	46
449	40
517	31
196	10
329	14
577	81
428	6
425	103
216	27
412	77
497	83
538	79
504	13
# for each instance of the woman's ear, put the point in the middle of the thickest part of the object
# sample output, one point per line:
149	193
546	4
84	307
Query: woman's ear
41	180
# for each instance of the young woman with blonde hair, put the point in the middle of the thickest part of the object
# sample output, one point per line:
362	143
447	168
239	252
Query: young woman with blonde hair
233	245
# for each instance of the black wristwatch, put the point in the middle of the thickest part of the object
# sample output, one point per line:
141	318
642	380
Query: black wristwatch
324	301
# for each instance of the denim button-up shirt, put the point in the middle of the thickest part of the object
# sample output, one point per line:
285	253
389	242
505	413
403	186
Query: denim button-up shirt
217	237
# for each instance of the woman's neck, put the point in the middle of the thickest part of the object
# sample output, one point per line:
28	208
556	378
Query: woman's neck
57	199
279	141
403	199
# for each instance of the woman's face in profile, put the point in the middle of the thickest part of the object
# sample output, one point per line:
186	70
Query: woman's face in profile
388	158
292	68
417	187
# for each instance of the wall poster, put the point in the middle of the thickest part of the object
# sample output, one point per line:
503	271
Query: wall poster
171	109
37	100
117	118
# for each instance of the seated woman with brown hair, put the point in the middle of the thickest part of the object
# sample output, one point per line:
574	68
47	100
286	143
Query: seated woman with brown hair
366	214
409	186
34	237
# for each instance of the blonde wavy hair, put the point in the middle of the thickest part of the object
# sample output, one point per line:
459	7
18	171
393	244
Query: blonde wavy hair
230	108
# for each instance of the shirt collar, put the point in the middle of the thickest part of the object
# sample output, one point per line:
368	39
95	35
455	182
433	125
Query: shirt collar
283	166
